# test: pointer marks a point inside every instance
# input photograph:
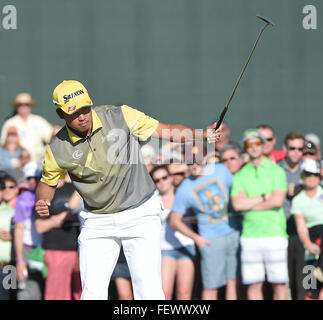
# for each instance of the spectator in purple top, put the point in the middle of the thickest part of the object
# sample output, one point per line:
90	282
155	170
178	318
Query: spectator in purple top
26	238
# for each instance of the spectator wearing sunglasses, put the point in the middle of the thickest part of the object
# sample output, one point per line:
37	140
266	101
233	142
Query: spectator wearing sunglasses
270	140
231	157
307	208
10	192
293	146
259	190
178	251
34	131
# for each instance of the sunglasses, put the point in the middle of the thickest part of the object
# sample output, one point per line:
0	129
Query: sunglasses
10	187
229	159
294	148
309	174
162	178
250	144
19	104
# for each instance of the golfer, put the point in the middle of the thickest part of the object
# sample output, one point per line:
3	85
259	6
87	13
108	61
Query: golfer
99	148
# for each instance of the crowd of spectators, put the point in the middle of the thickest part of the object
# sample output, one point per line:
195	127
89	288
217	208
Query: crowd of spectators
235	216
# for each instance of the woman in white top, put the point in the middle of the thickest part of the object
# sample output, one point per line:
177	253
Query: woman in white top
178	251
307	207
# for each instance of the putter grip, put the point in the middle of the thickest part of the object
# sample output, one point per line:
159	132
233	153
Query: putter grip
224	111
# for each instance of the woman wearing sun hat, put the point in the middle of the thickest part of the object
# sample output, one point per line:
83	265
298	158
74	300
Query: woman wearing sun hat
34	131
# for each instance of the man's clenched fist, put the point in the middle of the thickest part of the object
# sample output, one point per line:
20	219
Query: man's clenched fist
41	207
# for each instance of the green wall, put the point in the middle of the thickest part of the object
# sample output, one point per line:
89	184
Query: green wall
176	60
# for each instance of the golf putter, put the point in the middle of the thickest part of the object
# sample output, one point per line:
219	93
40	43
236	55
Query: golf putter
224	111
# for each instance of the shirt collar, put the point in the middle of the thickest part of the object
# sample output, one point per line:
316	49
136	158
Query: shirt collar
284	165
265	163
96	124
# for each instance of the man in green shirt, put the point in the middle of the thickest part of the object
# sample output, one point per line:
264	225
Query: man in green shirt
259	190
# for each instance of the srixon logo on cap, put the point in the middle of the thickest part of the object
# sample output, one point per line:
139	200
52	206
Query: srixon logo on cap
72	108
67	97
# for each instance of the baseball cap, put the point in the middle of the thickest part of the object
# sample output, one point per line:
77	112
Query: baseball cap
252	133
70	96
194	152
310	165
309	148
31	170
313	137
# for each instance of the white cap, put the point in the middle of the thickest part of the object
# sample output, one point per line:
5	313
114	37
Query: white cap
310	165
313	138
31	170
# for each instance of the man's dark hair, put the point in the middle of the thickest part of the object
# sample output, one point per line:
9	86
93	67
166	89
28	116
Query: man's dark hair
265	126
292	136
160	167
8	177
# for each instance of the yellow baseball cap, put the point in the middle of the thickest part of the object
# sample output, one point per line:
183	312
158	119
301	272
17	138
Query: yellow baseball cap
71	95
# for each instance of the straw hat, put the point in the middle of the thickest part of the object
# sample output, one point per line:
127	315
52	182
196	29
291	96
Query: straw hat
23	98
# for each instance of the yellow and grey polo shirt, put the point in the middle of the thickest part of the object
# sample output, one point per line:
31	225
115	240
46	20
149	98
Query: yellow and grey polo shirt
106	167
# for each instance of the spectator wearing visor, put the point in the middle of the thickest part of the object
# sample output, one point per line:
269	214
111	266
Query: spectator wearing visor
307	208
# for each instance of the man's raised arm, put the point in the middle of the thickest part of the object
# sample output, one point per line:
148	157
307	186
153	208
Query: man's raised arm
182	133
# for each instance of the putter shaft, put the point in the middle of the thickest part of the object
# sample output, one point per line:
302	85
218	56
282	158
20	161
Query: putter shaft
241	74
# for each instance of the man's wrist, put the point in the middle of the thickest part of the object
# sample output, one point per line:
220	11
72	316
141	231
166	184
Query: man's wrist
195	237
20	260
263	196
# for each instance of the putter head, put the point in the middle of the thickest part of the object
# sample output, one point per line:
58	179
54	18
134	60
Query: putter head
265	19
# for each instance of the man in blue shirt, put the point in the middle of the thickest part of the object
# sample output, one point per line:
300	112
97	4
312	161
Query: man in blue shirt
206	192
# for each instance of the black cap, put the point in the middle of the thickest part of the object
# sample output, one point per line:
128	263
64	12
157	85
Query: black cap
309	148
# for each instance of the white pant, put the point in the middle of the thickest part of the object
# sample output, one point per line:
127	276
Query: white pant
262	257
138	230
